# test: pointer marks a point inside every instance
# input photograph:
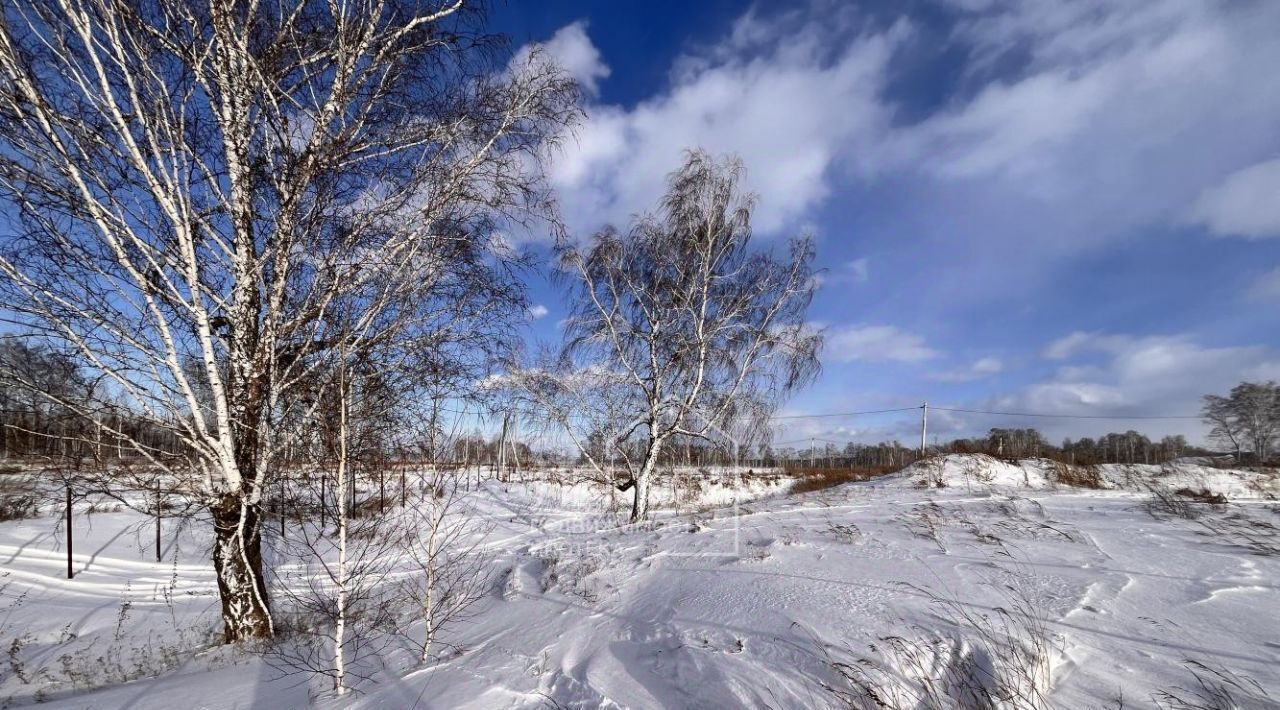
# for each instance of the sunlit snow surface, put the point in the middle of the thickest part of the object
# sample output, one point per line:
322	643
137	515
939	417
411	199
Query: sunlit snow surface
717	605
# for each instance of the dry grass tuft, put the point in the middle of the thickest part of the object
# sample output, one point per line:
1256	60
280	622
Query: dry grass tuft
809	480
1077	476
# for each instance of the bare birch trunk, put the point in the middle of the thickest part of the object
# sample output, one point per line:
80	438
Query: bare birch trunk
429	606
640	504
237	561
340	628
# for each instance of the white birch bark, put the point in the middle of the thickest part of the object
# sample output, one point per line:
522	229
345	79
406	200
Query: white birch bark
178	175
429	603
340	579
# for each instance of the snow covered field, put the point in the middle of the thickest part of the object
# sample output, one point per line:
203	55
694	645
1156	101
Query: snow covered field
1001	582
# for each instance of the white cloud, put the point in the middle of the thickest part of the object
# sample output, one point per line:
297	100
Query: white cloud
573	51
1077	32
1246	204
1068	345
537	311
980	369
790	110
1163	375
1119	115
1267	286
856	271
875	343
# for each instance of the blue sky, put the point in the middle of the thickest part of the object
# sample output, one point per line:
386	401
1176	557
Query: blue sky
1032	205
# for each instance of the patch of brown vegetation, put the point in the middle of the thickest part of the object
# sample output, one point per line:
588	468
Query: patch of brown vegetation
1085	476
1202	496
817	479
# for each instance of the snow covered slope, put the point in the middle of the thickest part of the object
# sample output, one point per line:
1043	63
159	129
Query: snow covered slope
969	470
1002	584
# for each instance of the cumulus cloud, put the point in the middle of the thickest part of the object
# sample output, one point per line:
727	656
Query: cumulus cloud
574	52
1246	204
789	109
1113	114
875	343
537	311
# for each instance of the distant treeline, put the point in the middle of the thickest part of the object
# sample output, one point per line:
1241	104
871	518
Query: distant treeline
1127	447
44	414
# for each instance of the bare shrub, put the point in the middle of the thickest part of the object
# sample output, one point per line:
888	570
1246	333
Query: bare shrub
1265	486
323	603
1183	503
51	665
977	467
845	533
571	575
931	473
1077	476
442	541
809	480
1202	495
18	506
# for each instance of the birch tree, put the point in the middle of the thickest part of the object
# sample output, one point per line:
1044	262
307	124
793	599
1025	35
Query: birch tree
194	184
1247	419
337	597
341	579
678	327
442	542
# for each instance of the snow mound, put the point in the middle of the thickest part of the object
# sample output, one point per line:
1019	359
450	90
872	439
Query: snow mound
967	471
1229	483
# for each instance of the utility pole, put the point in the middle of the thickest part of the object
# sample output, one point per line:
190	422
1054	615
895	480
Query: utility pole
924	426
70	572
159	509
502	447
515	453
282	497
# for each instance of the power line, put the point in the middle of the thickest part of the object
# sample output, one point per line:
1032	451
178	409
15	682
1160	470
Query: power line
843	414
805	441
992	412
1120	417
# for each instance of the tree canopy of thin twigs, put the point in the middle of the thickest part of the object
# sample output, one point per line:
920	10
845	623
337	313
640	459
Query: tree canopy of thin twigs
1247	420
196	187
679	327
